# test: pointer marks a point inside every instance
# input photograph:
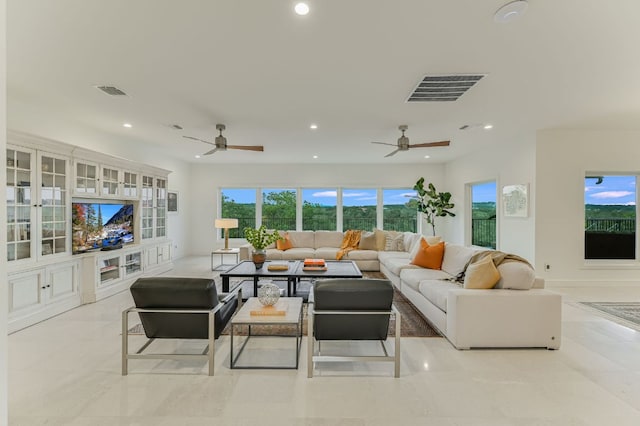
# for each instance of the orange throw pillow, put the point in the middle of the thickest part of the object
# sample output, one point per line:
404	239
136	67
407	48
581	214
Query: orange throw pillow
284	244
429	256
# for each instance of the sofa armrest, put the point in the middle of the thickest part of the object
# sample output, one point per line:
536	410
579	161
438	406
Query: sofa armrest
504	318
245	251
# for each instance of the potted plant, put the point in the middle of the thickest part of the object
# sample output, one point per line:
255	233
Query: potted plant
260	238
432	203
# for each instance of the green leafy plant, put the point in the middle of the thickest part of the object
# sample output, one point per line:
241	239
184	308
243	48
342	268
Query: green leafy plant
433	203
261	238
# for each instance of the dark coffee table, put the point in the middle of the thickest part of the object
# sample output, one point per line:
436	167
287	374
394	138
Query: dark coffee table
247	269
335	269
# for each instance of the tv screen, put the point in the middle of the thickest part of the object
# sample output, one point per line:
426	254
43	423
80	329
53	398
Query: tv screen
101	225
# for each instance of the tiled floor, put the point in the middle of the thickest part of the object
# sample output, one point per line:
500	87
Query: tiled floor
66	371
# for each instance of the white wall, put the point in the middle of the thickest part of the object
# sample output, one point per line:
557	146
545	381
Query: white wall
507	166
207	179
4	296
562	159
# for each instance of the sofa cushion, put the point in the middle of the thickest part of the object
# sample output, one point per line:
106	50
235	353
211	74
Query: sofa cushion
396	264
298	253
456	258
436	291
274	254
361	255
412	277
482	274
384	256
368	241
429	256
409	240
304	239
326	253
327	239
515	275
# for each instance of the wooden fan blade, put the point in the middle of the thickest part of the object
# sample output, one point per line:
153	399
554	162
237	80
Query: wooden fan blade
199	140
211	152
429	144
247	147
392	153
384	143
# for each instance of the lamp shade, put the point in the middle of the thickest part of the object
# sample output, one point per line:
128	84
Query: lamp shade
226	223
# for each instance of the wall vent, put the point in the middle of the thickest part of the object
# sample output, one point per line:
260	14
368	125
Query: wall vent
111	90
443	88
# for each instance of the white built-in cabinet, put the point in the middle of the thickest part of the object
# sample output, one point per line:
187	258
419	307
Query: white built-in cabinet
44	277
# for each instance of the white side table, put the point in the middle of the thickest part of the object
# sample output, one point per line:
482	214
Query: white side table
222	252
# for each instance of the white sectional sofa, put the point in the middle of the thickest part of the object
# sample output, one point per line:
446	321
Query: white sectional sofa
517	313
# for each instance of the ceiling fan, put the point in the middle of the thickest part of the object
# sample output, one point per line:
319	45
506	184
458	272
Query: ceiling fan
403	143
221	143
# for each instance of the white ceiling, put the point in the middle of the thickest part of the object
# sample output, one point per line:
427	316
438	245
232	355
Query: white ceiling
348	66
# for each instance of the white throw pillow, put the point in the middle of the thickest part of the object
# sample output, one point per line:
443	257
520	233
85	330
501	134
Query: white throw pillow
456	258
394	241
433	240
515	275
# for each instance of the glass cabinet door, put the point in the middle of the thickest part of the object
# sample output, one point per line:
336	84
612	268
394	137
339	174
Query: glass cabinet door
133	263
86	178
20	204
147	207
130	185
109	181
53	198
109	269
161	207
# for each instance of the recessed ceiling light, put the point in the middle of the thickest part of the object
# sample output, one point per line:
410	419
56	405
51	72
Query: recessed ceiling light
127	125
197	156
301	8
427	156
488	126
313	126
315	156
511	11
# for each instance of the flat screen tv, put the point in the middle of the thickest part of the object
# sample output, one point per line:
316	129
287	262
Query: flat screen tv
103	225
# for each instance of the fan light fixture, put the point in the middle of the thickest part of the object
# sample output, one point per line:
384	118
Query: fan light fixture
301	8
510	11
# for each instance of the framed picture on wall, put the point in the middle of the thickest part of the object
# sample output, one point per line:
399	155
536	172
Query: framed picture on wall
515	200
172	201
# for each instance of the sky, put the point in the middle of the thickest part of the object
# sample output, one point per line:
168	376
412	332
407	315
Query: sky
108	210
483	192
327	196
613	190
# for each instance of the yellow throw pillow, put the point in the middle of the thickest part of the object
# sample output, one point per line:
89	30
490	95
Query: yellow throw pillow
284	244
429	256
482	274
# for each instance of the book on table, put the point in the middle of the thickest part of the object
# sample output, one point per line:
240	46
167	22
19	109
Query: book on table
278	266
314	268
314	262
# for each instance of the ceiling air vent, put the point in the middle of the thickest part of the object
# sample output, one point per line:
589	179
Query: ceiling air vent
441	88
111	90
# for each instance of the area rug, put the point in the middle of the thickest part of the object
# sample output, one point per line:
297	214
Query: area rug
624	313
413	323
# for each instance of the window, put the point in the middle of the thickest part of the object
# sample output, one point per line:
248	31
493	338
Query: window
319	209
399	210
483	214
146	202
359	209
610	216
238	204
279	209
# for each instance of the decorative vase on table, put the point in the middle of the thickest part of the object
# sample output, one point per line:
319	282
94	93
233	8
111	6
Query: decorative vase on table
268	293
259	257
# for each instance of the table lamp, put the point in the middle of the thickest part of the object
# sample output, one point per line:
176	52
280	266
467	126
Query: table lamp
226	224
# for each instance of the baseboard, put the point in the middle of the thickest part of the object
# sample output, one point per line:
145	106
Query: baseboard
550	284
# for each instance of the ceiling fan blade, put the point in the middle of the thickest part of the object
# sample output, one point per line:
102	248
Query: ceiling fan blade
199	140
247	147
384	143
430	144
211	152
392	153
